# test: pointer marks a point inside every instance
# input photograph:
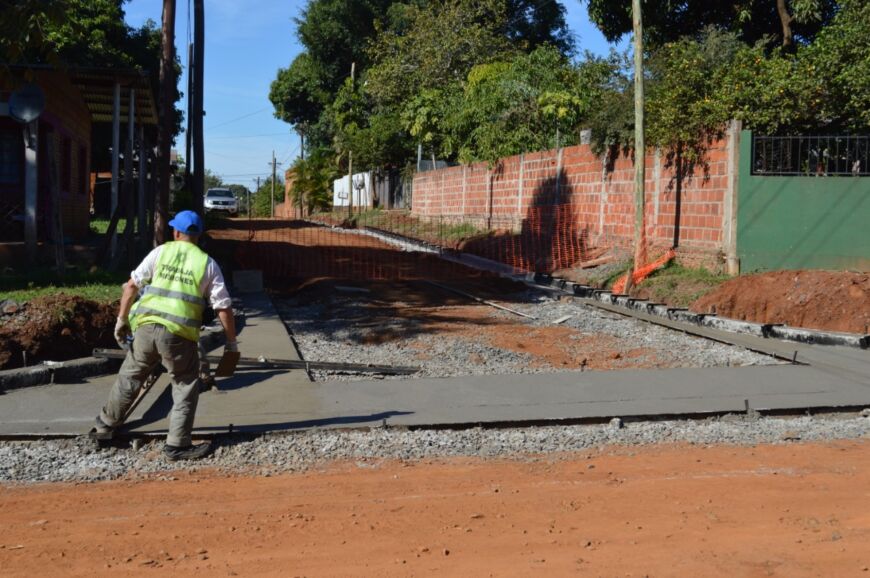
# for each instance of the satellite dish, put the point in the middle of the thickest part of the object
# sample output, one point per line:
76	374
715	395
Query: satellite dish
27	103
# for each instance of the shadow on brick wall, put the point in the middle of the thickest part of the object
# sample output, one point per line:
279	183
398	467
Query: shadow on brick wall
547	239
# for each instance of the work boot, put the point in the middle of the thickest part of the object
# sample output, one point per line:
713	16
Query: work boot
101	431
191	452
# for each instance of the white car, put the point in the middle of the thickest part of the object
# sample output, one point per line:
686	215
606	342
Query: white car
221	200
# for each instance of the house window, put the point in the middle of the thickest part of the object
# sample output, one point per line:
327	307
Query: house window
11	146
65	164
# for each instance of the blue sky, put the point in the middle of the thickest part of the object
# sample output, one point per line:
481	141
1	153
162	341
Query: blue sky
246	42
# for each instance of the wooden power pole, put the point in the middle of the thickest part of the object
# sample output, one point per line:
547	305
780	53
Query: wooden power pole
350	153
639	147
197	111
167	121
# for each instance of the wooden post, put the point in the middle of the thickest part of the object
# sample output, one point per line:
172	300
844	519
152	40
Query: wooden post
197	111
129	188
31	182
639	147
56	210
188	133
167	122
350	154
729	220
140	197
116	151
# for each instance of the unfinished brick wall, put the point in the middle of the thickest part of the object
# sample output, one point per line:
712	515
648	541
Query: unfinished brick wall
597	200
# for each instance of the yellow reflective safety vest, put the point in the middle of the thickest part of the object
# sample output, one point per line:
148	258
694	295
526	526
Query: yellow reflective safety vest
173	298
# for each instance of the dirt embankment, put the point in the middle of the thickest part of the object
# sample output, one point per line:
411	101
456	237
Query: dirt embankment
57	328
828	300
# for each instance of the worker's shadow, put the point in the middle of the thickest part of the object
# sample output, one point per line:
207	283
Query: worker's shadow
161	406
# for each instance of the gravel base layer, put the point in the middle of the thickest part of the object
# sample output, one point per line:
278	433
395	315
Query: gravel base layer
80	460
339	329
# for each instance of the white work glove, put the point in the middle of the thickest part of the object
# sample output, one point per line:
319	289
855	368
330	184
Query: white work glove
123	332
231	347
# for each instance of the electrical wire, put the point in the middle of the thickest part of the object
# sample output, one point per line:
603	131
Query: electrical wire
244	116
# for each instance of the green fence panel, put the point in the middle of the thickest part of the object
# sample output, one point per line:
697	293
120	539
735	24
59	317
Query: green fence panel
801	222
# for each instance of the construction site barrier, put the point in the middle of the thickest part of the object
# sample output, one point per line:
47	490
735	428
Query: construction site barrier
396	245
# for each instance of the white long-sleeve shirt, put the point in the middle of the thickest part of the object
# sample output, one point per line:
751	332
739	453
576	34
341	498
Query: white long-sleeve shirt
212	286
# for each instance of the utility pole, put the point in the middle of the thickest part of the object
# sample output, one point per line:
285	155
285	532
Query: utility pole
274	178
167	120
350	153
197	112
302	156
188	142
257	190
639	148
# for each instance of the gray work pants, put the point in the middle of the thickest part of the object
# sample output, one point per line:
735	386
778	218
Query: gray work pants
153	344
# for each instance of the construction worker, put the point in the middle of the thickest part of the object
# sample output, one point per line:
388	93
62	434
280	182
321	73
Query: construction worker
177	280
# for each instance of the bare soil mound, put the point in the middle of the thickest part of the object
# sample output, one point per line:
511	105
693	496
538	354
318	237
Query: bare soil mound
56	327
827	300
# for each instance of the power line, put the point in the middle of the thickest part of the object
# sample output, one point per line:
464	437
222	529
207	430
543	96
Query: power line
244	116
249	135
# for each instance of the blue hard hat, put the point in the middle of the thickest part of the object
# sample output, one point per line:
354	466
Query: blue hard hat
187	222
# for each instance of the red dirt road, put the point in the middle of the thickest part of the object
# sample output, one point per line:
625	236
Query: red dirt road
791	510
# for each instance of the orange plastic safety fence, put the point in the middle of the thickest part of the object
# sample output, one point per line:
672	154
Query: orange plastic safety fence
642	273
380	245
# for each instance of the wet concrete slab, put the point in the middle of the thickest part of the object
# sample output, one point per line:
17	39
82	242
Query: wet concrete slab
271	400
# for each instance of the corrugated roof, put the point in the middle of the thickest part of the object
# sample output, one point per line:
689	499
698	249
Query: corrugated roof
97	86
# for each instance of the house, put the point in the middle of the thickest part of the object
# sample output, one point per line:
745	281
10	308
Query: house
57	149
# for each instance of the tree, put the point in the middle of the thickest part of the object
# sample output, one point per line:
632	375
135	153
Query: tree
787	21
313	178
334	34
439	45
823	87
532	102
262	197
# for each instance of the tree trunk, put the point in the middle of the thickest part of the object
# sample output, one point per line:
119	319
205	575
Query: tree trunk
786	19
167	122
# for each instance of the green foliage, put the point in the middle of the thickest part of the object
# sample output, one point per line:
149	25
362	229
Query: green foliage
611	119
212	180
313	177
822	87
402	50
684	102
261	200
519	105
751	20
439	45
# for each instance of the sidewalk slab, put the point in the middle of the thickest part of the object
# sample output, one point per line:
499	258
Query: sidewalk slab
257	400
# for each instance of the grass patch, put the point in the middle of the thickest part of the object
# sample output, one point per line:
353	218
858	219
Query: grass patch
98	285
100	226
680	286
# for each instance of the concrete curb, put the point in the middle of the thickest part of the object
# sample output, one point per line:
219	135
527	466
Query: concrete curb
56	372
75	370
766	330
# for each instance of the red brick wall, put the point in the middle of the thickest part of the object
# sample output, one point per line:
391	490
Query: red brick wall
600	202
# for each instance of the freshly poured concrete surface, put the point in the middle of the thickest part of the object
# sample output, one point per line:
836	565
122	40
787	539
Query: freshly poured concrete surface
265	400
